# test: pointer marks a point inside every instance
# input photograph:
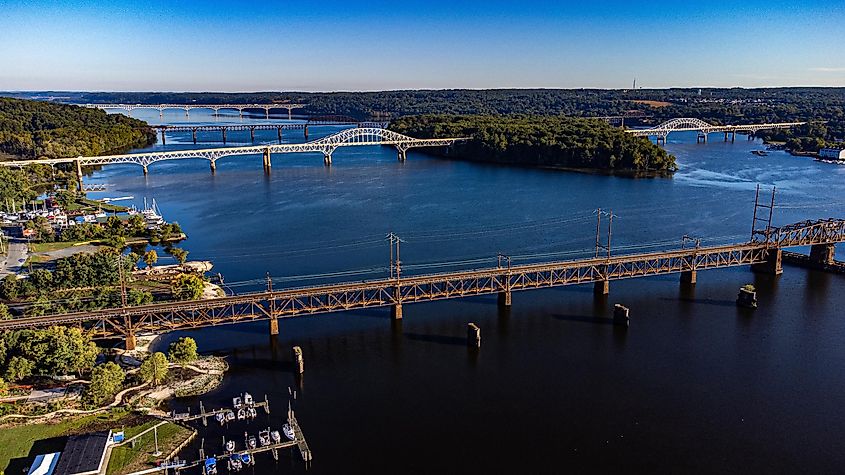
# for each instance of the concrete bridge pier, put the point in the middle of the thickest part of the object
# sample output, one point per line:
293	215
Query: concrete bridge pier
401	154
274	325
240	113
504	298
79	173
290	117
661	139
773	264
702	138
194	135
186	112
267	162
266	112
163	137
129	341
689	277
327	159
252	134
279	131
213	167
306	130
396	311
146	171
823	253
601	287
224	134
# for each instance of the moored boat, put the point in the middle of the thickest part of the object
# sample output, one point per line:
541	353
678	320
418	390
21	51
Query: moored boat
288	430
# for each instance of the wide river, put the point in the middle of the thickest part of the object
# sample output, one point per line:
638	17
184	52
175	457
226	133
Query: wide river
695	384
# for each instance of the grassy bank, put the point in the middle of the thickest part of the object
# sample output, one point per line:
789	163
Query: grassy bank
126	459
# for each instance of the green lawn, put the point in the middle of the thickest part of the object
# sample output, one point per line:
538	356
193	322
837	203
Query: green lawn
17	441
55	246
125	459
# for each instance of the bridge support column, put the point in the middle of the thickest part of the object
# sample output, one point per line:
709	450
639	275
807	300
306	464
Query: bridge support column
279	130
306	129
661	139
733	136
298	360
194	135
290	116
146	171
186	112
327	159
252	134
79	173
267	162
726	136
689	277
266	112
396	311
702	138
822	253
505	298
129	341
213	167
163	137
773	264
402	155
601	287
473	335
224	134
274	325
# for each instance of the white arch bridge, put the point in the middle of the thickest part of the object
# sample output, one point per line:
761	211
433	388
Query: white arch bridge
187	107
355	137
692	124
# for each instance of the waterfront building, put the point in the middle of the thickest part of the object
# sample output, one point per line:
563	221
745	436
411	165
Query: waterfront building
832	153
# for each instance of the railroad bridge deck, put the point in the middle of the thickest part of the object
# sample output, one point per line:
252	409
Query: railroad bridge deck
765	254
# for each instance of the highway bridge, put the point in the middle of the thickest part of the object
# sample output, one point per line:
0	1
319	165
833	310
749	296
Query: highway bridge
223	129
691	124
763	252
354	137
187	107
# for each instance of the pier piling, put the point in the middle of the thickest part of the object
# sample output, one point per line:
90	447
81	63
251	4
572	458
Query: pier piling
621	315
689	277
473	335
396	312
298	361
601	287
505	298
773	264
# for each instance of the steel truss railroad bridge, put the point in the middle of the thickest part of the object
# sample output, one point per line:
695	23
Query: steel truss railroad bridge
187	107
354	137
691	124
763	253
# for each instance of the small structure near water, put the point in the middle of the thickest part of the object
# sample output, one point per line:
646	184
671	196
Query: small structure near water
747	297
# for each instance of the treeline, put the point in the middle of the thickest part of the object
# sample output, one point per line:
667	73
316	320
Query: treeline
541	141
36	129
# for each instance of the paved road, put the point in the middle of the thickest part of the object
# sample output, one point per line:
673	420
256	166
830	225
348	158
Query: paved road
12	262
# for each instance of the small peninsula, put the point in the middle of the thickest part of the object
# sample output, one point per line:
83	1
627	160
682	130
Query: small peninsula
543	141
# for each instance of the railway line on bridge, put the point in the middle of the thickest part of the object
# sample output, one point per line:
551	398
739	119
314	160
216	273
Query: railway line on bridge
763	252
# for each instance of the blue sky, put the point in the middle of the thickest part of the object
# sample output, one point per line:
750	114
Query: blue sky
376	45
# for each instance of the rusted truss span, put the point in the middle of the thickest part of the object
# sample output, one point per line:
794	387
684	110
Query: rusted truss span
235	127
805	233
339	297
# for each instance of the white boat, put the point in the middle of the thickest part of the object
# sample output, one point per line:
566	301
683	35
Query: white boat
251	412
250	442
288	430
235	463
276	436
248	399
151	215
230	416
210	466
241	414
247	459
237	403
230	446
220	417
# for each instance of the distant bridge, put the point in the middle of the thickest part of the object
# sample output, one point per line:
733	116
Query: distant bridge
354	137
691	124
187	107
763	253
224	129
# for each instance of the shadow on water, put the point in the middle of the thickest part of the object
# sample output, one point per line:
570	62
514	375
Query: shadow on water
714	302
440	339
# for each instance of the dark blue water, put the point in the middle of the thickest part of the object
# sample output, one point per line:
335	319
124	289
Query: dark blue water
695	385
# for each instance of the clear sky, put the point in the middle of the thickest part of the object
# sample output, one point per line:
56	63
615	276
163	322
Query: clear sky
180	45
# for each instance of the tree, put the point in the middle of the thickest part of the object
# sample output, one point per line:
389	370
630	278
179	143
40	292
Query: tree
136	225
4	387
183	350
4	315
154	369
41	279
9	286
187	287
150	258
179	254
18	369
106	381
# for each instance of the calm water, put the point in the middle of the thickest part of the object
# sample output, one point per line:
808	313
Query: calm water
695	385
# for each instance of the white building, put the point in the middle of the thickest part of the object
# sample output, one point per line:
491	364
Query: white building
832	153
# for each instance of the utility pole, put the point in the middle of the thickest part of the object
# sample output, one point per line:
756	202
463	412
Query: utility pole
395	263
599	245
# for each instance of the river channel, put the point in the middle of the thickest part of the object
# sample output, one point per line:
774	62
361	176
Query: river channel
694	385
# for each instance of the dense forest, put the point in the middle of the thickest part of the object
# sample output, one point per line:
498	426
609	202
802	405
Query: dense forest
548	141
36	129
715	105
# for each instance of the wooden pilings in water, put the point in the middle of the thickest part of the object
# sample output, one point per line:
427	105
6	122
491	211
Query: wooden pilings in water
473	335
298	361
